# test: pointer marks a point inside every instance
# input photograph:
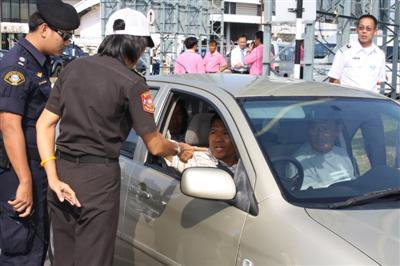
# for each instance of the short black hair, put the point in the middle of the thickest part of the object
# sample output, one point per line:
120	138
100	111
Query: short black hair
242	36
123	47
35	20
368	16
260	35
190	42
214	118
214	42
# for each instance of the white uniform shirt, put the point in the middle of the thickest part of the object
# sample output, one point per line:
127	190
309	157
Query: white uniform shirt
199	159
237	56
322	170
359	67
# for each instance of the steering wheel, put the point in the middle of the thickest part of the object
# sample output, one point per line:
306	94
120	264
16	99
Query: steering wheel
292	183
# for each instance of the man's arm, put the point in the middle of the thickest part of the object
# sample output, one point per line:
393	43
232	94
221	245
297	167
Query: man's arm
336	70
14	142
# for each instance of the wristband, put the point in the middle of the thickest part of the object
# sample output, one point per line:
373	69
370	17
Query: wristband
43	162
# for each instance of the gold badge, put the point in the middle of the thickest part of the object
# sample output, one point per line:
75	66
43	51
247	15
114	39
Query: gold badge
39	74
14	78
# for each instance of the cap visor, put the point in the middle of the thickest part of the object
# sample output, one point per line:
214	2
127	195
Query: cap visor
150	42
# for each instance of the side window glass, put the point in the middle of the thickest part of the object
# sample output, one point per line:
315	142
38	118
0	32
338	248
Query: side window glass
360	153
129	145
391	130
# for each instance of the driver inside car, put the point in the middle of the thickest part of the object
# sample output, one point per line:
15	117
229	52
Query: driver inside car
323	162
220	154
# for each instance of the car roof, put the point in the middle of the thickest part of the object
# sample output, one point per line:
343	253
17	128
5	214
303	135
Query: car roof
251	86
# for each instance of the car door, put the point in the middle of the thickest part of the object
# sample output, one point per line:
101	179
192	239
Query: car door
164	226
128	150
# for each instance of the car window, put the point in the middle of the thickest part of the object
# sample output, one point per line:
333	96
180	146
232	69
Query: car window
328	150
129	145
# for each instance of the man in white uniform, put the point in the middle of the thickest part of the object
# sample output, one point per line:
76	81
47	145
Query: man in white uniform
237	56
360	64
323	162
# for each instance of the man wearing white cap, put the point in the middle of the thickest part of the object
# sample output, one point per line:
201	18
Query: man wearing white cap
98	100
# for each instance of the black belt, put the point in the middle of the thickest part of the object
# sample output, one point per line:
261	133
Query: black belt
85	158
240	72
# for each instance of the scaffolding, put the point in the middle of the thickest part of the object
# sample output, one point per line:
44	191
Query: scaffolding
174	20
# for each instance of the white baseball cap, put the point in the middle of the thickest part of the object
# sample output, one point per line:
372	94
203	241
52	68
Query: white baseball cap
136	24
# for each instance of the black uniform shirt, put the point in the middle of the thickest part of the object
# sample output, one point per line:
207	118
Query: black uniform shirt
99	99
24	86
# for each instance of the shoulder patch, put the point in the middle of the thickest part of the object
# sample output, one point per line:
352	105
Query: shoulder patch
147	102
14	78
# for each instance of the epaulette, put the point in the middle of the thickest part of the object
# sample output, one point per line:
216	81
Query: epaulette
345	48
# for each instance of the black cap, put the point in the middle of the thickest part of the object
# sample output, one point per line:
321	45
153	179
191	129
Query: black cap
58	15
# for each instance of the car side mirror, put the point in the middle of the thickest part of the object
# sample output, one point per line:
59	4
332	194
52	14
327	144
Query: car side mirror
208	183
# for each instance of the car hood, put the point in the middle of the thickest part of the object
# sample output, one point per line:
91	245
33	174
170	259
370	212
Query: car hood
375	232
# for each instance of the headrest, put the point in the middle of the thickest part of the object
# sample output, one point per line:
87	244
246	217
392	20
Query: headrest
293	131
197	132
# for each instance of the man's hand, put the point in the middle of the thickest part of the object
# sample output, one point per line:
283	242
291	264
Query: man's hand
186	152
64	192
23	199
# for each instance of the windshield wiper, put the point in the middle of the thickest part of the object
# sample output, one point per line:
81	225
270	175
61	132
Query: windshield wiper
366	198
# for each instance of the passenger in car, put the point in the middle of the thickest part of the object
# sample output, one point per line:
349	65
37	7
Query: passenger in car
179	122
220	154
323	162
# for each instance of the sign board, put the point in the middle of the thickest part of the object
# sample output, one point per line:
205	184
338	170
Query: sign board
9	27
151	16
285	11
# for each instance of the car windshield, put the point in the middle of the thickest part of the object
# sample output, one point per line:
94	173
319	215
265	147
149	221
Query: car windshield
326	150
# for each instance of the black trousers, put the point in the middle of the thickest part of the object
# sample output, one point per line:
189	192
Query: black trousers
86	236
35	253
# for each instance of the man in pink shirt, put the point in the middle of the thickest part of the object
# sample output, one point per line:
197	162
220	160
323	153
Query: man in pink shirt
214	61
189	61
255	58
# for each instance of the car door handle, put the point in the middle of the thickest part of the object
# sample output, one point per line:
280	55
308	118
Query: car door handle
144	194
140	191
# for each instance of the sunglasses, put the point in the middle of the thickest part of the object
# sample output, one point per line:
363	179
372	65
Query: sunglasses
64	35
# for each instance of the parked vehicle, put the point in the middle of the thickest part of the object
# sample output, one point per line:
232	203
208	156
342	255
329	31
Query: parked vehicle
272	215
3	53
70	53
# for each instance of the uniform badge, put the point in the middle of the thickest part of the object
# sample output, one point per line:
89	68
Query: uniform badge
147	102
14	78
39	74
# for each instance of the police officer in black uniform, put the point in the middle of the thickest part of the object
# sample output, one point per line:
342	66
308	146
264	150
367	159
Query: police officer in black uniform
97	100
24	90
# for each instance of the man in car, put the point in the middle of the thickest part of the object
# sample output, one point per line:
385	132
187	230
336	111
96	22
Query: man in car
220	154
323	162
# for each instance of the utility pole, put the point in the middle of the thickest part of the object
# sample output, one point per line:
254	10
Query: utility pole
299	40
267	37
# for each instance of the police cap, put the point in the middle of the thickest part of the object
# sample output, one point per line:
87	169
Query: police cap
59	15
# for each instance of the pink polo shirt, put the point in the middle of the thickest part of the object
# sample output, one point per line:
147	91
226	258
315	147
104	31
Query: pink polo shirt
213	62
189	62
255	60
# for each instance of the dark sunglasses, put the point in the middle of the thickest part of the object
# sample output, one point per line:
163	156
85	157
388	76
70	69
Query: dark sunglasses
64	35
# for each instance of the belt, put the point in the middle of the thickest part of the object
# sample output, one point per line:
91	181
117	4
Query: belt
85	158
240	72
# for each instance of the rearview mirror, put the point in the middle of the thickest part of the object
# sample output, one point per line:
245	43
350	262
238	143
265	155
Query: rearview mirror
208	183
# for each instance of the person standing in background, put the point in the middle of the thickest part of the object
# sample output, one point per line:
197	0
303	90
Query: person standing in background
360	64
189	61
237	56
214	62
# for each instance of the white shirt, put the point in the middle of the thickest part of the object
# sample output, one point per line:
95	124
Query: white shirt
237	56
324	169
359	67
199	159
